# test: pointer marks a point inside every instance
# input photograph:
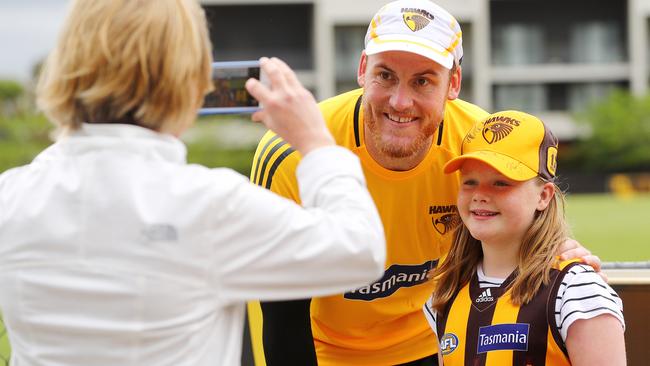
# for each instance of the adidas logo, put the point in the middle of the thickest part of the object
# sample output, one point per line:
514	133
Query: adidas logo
486	296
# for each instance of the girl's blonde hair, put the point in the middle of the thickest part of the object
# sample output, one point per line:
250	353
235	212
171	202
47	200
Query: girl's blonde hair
536	256
142	62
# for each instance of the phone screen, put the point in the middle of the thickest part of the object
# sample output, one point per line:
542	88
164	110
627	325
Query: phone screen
230	95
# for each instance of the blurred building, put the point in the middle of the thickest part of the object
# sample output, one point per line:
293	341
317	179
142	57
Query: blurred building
548	57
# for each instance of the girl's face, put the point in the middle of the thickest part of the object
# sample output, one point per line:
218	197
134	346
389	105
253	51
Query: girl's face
495	209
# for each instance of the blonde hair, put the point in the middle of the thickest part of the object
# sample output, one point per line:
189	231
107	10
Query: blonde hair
536	256
143	62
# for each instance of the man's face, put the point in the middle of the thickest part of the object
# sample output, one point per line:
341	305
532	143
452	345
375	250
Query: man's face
404	101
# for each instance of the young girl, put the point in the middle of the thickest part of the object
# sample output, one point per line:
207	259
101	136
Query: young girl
501	296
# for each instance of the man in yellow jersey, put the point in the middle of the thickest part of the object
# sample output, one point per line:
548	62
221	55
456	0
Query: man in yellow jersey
404	123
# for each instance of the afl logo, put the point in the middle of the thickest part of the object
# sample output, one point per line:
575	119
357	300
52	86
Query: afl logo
415	21
448	343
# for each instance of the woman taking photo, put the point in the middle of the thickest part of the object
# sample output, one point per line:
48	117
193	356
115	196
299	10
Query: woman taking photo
115	251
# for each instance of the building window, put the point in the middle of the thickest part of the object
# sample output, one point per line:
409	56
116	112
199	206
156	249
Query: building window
558	31
244	32
536	98
349	42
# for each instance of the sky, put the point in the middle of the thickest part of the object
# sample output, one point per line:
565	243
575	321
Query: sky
28	31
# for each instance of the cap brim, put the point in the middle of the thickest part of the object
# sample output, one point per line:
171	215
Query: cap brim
509	167
387	43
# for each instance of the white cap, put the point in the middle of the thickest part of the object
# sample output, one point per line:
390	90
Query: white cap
417	26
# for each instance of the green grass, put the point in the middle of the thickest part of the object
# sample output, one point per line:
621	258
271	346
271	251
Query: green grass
615	229
4	345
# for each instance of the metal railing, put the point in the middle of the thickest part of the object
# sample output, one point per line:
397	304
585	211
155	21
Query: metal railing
626	265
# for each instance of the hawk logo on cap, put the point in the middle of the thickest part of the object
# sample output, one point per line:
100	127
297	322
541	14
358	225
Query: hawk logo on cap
415	22
495	132
497	128
416	19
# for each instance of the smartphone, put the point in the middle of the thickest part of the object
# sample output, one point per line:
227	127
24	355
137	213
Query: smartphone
230	95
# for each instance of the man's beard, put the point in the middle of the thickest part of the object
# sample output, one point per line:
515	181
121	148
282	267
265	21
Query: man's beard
398	150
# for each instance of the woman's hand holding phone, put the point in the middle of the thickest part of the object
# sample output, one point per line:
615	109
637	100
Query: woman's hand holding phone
290	110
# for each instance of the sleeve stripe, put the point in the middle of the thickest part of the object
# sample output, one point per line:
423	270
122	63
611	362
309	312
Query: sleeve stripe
608	309
583	284
612	294
254	176
588	297
268	158
275	165
575	269
581	269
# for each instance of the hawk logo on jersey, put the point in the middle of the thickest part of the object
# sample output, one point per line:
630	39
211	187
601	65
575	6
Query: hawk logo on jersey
446	223
498	127
444	218
416	19
394	278
511	337
448	343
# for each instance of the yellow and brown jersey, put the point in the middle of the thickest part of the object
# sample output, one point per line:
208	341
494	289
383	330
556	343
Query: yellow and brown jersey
481	326
382	323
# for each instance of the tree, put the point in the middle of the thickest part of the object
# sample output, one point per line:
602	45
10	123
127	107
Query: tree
10	92
620	135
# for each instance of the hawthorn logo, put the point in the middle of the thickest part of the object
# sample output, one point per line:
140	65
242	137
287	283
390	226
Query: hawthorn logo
498	127
444	218
416	19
